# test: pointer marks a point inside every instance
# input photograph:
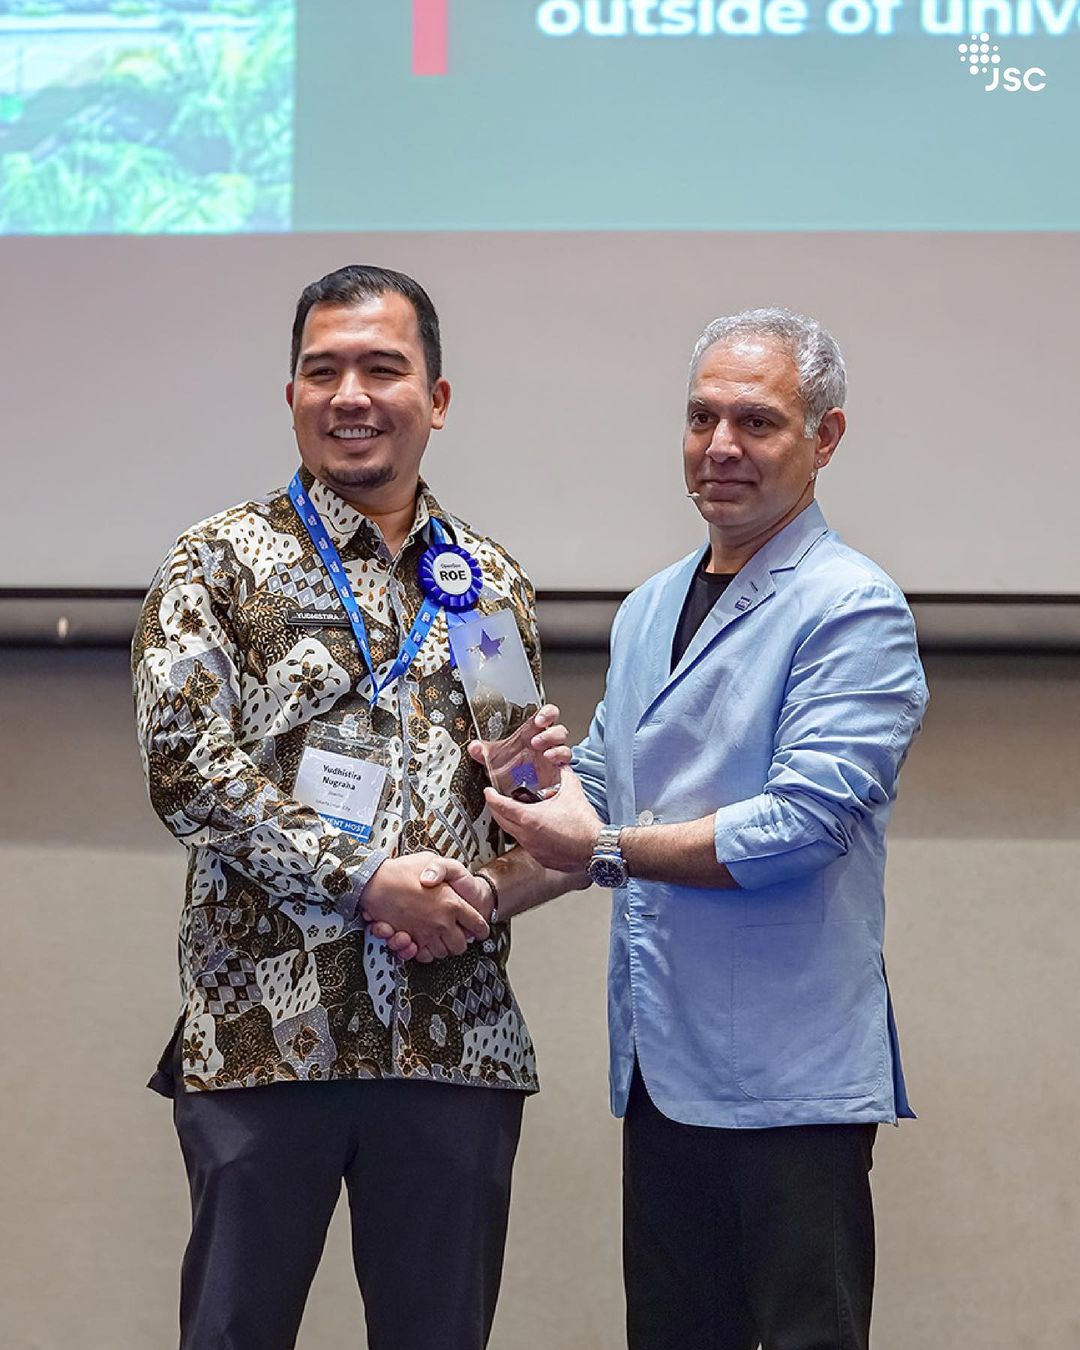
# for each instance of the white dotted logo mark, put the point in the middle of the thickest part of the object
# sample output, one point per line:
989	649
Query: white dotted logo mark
978	55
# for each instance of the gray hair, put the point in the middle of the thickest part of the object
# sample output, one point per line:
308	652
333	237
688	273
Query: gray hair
816	353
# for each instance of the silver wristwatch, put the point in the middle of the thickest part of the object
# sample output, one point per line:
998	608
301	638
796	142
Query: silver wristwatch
607	867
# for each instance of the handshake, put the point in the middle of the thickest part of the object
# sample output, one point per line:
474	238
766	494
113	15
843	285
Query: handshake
428	907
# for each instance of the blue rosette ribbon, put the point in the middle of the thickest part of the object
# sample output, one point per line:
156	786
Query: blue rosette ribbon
450	576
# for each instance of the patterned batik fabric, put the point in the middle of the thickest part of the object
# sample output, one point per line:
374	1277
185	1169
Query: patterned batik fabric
242	645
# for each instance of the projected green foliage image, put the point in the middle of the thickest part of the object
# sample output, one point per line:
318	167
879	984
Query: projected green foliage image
223	116
138	117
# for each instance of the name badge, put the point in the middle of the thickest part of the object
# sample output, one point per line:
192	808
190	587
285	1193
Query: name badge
343	775
345	791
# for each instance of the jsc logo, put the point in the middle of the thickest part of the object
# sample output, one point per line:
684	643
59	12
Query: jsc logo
983	59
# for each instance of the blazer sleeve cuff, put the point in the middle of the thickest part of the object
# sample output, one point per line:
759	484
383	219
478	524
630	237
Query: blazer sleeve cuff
757	855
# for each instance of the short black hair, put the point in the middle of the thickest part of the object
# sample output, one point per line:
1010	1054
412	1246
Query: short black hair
358	282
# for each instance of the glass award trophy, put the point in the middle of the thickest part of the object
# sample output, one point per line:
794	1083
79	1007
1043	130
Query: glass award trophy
503	699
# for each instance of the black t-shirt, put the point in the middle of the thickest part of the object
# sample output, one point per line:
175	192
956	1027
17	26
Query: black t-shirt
705	589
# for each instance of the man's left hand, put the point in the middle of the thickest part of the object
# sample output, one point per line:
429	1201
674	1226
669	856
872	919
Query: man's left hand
560	832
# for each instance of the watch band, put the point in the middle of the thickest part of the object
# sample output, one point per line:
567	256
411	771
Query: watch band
607	841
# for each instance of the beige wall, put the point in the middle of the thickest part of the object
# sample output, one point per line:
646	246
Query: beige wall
978	1202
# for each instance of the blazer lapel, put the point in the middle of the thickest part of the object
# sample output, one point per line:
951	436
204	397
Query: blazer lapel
660	623
749	588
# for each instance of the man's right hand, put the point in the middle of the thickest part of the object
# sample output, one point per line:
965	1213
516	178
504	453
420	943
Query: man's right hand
434	915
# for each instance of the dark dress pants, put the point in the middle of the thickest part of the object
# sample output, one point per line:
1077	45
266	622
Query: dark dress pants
427	1167
735	1238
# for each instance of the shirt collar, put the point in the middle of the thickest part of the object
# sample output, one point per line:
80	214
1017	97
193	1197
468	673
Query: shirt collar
344	522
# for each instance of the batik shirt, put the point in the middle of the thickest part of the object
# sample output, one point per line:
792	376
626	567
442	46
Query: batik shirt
241	646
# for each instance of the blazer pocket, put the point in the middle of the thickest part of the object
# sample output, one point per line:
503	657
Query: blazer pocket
810	1011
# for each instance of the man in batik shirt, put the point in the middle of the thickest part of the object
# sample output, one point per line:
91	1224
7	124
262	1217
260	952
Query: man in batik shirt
309	1049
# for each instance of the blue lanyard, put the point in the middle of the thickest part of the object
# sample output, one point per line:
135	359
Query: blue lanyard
429	611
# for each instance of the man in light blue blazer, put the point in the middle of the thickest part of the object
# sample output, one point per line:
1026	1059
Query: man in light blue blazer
734	790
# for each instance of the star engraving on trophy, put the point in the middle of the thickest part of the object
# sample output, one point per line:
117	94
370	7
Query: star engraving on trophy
489	647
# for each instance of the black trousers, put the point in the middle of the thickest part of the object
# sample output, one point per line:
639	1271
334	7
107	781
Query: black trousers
735	1238
427	1167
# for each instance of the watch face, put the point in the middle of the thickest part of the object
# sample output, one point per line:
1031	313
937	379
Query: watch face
607	872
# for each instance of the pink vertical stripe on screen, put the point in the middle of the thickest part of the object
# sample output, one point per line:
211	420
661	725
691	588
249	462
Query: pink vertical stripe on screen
431	27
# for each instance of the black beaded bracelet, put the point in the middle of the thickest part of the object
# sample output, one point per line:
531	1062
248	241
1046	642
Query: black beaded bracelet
493	917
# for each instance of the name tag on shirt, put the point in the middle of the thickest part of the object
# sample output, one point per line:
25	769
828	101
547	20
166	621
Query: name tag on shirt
346	790
318	618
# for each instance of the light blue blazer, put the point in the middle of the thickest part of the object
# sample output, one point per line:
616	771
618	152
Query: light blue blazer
788	718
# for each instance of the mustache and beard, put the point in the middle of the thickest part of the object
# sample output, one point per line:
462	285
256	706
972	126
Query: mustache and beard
363	478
